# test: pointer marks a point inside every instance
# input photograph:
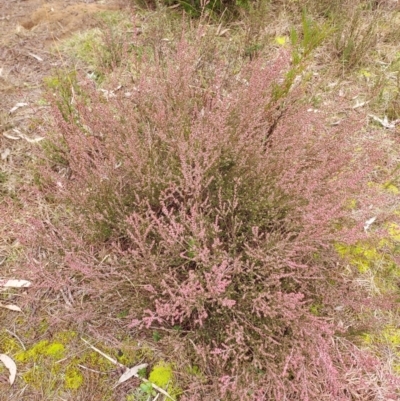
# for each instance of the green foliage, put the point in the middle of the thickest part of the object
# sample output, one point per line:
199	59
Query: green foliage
65	84
147	388
156	336
3	177
312	35
303	43
83	46
100	49
354	39
196	7
393	93
316	309
252	50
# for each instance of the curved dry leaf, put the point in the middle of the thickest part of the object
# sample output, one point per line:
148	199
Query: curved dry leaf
17	106
21	135
368	223
35	56
32	140
11	366
15	283
11	307
131	372
385	121
9	136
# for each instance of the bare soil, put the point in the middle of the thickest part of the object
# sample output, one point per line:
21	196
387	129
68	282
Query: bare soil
28	28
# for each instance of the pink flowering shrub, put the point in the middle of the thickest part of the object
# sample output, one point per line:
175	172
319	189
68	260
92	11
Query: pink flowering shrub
220	197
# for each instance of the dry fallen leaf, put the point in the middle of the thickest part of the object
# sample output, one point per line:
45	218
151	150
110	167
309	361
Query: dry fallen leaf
385	121
21	135
35	56
11	307
5	154
132	372
15	283
32	140
368	223
9	136
16	107
360	104
10	365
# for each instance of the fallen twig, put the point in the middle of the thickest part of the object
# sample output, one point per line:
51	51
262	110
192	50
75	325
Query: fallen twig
115	362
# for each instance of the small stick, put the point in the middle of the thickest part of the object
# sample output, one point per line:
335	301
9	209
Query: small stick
14	335
159	389
115	362
91	370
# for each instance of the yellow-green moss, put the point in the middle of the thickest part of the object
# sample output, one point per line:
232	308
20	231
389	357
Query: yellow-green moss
45	370
36	377
9	345
65	337
361	255
93	360
376	258
43	326
315	309
351	204
39	377
392	189
389	336
53	350
48	365
145	352
162	375
127	358
33	353
281	40
73	378
365	73
367	338
396	369
394	231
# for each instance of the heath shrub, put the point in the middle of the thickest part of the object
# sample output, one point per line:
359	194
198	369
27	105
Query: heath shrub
220	196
